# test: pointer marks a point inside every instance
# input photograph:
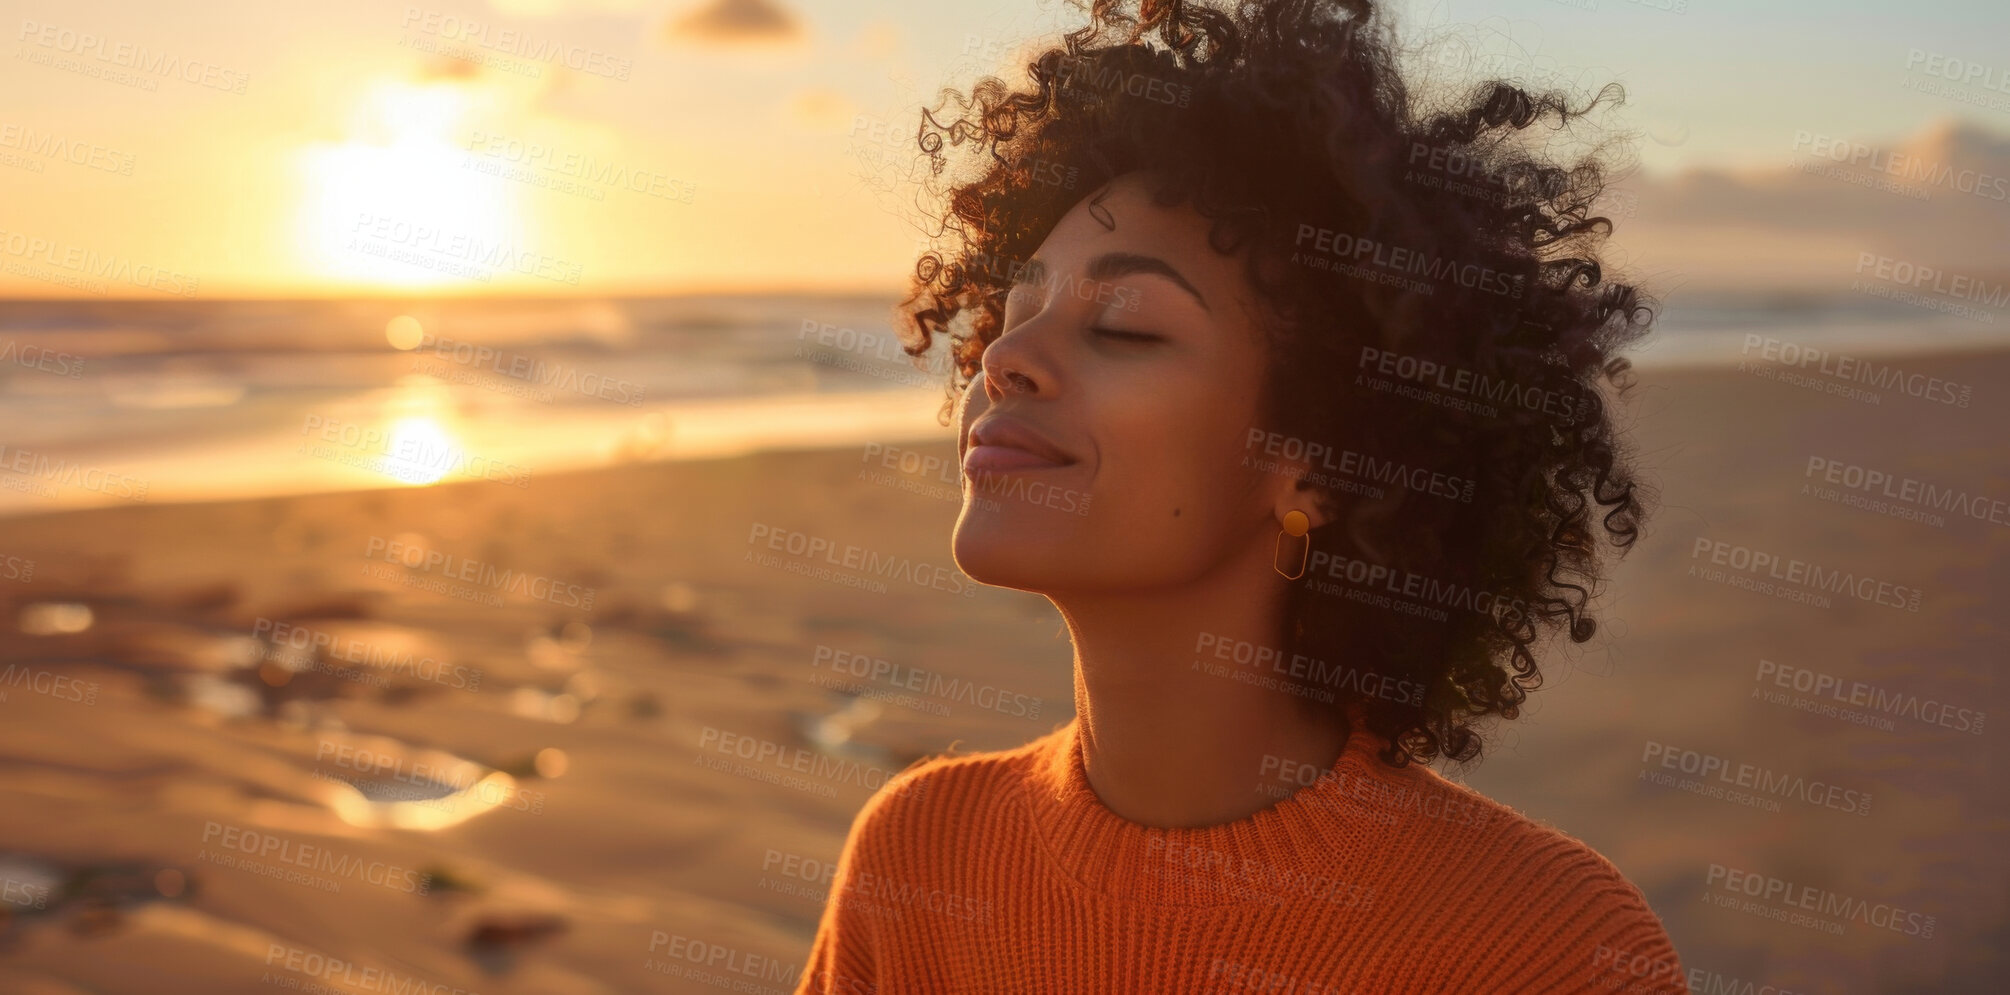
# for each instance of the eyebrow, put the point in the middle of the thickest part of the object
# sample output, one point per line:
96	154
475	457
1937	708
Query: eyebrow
1111	265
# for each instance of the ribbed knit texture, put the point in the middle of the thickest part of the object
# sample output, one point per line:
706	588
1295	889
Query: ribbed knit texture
1004	872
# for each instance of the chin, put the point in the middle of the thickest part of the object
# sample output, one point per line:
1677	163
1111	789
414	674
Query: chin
1004	546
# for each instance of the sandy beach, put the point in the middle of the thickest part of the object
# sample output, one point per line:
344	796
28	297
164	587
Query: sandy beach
595	734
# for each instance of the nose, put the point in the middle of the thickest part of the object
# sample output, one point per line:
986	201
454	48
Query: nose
998	383
1013	364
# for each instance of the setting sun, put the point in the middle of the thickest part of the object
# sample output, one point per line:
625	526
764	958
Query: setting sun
421	451
395	204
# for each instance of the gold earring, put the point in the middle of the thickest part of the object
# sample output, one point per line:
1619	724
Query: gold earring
1295	523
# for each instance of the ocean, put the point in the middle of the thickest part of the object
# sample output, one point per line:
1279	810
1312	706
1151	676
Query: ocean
108	402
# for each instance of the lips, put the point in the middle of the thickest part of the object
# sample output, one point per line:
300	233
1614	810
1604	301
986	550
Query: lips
999	443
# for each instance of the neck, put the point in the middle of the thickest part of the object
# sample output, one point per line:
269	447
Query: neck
1170	737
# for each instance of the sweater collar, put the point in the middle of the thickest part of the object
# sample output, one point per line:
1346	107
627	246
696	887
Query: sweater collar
1296	849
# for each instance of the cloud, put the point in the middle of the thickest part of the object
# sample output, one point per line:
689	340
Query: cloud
1939	197
736	22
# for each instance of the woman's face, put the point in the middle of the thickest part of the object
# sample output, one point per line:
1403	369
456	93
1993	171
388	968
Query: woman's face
1130	354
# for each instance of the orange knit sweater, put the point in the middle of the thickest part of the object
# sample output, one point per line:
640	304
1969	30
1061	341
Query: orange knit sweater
1004	873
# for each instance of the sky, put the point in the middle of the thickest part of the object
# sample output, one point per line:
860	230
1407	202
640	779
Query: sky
231	149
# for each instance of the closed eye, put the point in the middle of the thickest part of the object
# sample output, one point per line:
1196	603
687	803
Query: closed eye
1111	333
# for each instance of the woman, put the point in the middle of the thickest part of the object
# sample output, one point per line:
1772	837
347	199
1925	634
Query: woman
1316	376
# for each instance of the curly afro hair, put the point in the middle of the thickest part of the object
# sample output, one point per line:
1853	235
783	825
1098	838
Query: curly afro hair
1433	290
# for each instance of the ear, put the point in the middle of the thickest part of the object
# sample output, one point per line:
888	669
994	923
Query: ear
1296	494
1284	479
1362	518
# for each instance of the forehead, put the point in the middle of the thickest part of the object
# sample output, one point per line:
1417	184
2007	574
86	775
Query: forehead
1123	217
1122	212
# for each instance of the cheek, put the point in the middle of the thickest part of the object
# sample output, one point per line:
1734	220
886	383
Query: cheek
1164	466
969	404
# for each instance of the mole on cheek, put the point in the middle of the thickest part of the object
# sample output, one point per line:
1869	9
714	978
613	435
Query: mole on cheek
1175	512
